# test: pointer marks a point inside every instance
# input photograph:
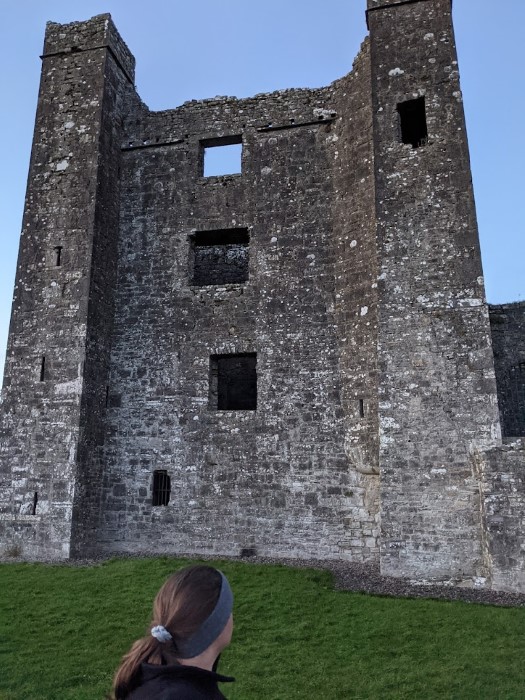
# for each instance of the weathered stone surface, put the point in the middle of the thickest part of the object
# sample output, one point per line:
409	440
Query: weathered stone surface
341	263
435	406
62	317
501	473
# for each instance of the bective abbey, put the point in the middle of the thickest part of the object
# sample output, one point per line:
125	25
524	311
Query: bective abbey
294	358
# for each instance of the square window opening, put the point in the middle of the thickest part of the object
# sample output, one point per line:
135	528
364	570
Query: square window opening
221	156
233	382
161	487
219	257
413	122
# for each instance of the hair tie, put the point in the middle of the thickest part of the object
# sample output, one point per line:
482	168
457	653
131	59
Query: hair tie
161	634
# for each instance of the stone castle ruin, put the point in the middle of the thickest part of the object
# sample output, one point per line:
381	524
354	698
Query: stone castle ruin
295	359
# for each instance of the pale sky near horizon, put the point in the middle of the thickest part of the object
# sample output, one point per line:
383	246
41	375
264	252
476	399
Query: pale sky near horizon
203	48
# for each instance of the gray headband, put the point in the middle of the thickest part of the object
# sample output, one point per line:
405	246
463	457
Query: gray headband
211	627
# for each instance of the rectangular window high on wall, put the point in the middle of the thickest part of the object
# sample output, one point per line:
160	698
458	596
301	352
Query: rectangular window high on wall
413	122
233	382
219	257
161	487
221	156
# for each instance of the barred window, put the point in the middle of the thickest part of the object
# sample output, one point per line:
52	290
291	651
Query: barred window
161	487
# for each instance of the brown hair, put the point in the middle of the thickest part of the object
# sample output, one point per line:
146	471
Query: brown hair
183	603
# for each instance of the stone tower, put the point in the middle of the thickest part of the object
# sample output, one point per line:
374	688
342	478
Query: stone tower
437	390
290	358
58	353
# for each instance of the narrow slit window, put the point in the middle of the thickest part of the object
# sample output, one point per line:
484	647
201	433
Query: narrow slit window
161	487
58	255
219	257
43	368
35	502
221	156
361	408
413	122
233	382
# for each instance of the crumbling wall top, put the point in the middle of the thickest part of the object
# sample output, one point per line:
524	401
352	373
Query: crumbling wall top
95	33
509	306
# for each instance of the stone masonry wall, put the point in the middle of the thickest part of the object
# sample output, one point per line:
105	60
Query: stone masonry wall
437	392
118	93
356	292
502	475
507	324
48	359
294	360
276	480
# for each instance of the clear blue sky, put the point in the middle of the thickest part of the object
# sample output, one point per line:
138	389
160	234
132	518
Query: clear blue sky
202	48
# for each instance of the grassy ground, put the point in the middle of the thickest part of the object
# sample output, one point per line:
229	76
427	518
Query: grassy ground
63	630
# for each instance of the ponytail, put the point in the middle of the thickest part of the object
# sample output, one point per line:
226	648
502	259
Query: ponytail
127	676
186	599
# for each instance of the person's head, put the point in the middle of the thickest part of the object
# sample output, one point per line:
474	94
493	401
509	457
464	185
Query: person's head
191	614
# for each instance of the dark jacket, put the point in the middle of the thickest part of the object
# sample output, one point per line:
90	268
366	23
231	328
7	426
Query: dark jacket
178	682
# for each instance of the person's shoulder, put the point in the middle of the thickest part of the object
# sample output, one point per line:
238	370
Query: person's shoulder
186	690
177	683
175	691
180	691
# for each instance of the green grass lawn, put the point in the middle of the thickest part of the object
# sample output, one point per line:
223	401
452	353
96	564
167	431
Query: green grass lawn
63	630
